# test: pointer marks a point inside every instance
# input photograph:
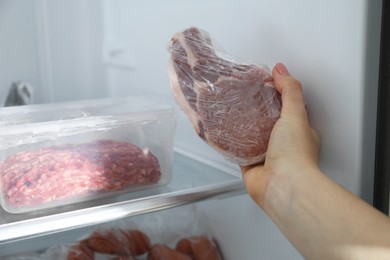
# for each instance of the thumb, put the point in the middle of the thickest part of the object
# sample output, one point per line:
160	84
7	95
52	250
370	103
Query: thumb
293	103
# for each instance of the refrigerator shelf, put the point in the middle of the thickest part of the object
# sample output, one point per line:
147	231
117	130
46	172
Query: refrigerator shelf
193	180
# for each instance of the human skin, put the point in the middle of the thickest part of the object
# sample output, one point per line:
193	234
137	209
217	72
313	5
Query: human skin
319	217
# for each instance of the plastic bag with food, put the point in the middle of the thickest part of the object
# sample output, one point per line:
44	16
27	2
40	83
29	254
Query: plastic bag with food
232	105
181	233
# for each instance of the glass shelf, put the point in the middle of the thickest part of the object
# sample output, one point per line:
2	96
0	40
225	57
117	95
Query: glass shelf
192	181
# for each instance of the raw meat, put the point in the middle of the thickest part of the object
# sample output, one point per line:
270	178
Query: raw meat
232	106
31	178
119	242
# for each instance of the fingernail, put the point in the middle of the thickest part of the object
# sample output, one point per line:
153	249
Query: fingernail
281	69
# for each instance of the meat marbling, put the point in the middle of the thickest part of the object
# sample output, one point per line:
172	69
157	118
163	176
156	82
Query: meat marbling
232	106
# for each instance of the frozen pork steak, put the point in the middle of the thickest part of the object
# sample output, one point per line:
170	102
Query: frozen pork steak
31	178
232	106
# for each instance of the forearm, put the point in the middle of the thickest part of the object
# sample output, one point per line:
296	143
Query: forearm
323	220
319	217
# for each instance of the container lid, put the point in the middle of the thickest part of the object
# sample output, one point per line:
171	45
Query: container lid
76	109
34	123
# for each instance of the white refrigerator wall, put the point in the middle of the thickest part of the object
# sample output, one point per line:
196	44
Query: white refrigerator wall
92	49
18	45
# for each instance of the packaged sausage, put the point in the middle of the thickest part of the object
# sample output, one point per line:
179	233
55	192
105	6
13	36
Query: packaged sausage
180	233
57	154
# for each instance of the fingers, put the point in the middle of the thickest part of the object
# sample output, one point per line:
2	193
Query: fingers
291	91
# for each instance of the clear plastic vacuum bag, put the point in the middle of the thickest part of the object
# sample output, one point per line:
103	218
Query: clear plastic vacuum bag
232	105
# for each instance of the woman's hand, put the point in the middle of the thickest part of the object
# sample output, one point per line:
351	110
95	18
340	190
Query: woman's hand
293	144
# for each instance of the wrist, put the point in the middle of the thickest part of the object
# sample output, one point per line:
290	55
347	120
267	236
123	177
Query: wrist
286	186
257	180
265	184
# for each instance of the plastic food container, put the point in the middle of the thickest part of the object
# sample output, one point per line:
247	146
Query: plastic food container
57	154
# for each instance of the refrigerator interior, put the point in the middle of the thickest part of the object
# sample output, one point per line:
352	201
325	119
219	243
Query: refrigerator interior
110	48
